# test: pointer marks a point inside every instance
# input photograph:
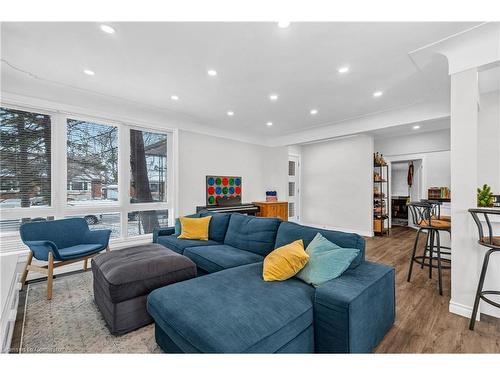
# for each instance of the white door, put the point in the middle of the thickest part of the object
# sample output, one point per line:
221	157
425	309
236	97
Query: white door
293	188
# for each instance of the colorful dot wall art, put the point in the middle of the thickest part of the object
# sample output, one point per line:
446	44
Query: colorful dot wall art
222	187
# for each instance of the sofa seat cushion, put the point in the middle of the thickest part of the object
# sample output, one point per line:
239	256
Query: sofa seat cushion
219	257
79	251
233	311
250	233
136	271
178	245
289	232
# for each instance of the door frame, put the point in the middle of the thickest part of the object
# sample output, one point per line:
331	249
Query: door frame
423	182
298	200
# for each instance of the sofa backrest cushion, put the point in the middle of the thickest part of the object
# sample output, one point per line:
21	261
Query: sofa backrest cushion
218	225
64	233
250	233
289	232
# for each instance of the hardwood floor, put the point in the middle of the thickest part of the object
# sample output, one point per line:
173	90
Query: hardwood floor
423	323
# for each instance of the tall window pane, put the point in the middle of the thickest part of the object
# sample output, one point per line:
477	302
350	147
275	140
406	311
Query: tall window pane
148	165
92	163
25	154
144	222
109	220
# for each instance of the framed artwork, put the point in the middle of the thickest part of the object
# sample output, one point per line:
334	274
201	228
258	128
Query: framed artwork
222	187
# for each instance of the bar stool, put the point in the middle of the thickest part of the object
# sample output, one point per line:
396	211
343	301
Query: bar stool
436	210
493	243
424	217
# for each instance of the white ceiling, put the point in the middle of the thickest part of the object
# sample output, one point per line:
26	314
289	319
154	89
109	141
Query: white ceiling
407	129
143	64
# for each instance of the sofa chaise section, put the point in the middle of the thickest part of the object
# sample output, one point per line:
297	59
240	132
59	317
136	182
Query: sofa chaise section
352	313
234	311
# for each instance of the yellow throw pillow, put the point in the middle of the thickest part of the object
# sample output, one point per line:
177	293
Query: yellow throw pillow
285	262
194	228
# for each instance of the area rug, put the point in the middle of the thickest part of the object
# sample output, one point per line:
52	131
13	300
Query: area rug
72	323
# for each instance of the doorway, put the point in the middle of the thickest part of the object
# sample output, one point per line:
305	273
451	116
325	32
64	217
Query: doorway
405	187
294	188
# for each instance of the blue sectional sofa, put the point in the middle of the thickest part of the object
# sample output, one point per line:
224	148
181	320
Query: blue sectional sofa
231	309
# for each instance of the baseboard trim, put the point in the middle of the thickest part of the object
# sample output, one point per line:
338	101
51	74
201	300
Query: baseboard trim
347	230
462	310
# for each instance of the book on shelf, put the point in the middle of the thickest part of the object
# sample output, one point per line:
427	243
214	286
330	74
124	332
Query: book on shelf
442	192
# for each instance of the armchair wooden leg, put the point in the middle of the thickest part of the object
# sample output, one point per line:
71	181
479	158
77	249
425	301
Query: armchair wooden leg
25	273
50	274
85	264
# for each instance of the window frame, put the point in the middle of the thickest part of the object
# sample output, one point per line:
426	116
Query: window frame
90	119
18	212
59	207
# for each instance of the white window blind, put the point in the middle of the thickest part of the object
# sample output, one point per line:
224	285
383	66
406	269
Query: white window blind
25	159
92	154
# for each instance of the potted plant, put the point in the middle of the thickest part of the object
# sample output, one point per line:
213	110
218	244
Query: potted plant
484	196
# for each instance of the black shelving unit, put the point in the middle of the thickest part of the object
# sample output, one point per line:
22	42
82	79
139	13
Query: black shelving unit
381	200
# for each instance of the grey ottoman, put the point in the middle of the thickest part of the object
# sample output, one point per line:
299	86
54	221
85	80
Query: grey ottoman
124	278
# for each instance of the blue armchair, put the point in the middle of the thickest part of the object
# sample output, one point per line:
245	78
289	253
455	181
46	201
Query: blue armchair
61	242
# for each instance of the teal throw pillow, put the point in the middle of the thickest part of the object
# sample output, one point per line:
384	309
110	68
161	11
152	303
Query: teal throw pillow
177	227
327	261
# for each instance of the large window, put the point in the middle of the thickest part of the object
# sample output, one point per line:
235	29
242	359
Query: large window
148	166
52	166
92	152
25	159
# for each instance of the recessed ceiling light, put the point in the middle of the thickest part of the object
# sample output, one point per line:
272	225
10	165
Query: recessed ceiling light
273	97
174	97
313	112
377	94
343	69
283	24
415	127
269	123
89	72
211	73
230	113
107	29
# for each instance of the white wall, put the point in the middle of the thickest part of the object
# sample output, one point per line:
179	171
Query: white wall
488	142
261	168
465	254
433	146
294	150
488	171
414	143
399	184
337	184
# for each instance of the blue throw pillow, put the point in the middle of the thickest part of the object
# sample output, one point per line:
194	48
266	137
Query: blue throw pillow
327	261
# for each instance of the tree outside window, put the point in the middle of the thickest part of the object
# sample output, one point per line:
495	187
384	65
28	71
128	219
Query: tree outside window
92	154
25	159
